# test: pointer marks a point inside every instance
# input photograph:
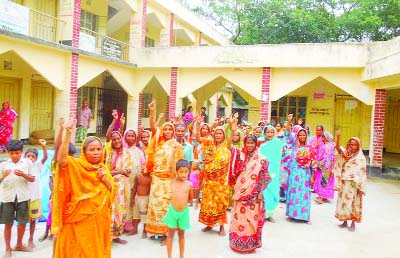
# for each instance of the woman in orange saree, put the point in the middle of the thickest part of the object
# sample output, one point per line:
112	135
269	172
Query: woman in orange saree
214	179
250	178
157	164
82	197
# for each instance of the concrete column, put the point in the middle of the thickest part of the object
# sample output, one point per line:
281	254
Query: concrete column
137	33
133	111
66	14
24	114
265	93
378	127
167	34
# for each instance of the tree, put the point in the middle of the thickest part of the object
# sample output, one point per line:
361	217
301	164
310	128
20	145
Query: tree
299	21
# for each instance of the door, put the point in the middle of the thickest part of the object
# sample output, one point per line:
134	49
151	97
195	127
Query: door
347	118
392	127
10	91
41	115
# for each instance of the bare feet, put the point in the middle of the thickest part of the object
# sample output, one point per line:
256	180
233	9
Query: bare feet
31	244
343	225
144	235
206	229
352	228
222	231
22	248
7	254
271	219
133	232
120	241
164	242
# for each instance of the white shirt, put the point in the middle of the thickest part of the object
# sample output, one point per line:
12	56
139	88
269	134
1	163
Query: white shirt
35	187
15	186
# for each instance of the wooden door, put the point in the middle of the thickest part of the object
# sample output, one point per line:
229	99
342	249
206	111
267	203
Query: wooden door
41	115
10	91
348	118
392	127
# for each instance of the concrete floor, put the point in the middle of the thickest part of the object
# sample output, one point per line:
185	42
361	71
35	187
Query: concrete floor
376	236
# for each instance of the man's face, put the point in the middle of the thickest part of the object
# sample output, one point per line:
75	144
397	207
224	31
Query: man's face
84	104
180	132
15	156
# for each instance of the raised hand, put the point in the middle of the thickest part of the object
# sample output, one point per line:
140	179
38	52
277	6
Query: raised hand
42	142
152	105
123	118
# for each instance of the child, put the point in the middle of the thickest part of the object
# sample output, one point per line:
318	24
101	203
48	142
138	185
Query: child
194	179
140	201
35	207
177	217
15	175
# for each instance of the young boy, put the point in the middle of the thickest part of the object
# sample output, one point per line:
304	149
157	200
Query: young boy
15	175
35	207
177	217
140	201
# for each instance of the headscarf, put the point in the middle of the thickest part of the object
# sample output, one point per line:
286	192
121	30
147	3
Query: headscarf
239	143
80	179
157	142
223	131
112	157
125	134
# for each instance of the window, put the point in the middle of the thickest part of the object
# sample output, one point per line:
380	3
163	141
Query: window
89	20
288	105
147	98
149	42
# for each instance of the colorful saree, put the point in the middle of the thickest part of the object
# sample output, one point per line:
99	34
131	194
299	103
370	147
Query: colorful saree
81	215
350	182
7	118
272	151
250	177
298	201
158	154
325	161
215	190
119	161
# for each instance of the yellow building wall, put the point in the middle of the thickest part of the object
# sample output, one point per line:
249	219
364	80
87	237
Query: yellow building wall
122	34
98	7
153	33
321	110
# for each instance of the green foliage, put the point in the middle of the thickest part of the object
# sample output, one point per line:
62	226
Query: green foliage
299	21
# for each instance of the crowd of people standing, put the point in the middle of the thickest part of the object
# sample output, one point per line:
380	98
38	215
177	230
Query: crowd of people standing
153	176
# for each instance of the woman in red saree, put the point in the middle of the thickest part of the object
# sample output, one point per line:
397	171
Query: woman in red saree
7	118
250	178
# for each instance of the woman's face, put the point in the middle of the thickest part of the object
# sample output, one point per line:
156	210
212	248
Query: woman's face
250	145
204	131
269	133
6	106
93	152
219	136
168	132
257	132
319	131
302	136
235	136
278	127
116	141
353	146
130	137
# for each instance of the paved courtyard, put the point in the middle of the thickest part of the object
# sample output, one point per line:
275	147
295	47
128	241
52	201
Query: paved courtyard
377	237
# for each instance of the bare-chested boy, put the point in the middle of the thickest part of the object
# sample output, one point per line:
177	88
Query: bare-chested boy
177	217
140	201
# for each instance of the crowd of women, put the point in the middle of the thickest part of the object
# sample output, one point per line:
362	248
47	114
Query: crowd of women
235	167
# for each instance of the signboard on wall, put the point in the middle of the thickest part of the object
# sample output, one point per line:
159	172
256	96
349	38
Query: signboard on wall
111	48
87	42
14	17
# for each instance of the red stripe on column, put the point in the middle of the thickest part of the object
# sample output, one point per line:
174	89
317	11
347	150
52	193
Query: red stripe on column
379	125
265	91
171	30
144	24
172	93
73	91
141	107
